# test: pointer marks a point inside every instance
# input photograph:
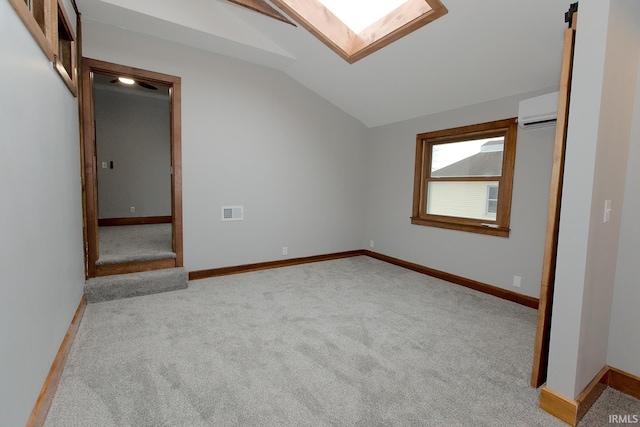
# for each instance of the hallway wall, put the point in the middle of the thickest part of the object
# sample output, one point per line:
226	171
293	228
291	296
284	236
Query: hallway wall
41	257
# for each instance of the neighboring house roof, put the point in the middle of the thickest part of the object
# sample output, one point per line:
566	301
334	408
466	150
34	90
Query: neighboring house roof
481	164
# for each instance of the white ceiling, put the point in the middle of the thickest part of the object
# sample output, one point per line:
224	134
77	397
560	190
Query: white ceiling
479	51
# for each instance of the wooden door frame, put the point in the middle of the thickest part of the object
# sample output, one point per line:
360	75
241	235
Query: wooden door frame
89	66
547	285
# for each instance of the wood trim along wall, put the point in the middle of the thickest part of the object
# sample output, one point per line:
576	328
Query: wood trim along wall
572	411
624	382
83	178
264	8
175	94
330	30
547	282
458	280
135	267
225	271
90	66
44	38
43	403
69	77
558	406
468	283
138	220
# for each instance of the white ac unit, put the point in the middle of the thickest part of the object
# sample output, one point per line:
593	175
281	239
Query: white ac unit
541	111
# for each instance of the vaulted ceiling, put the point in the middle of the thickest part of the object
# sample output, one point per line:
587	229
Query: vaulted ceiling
479	51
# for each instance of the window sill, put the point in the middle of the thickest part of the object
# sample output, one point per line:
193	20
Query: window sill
471	228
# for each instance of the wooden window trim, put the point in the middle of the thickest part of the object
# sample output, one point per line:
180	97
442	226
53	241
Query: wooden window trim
324	25
264	8
45	38
70	80
500	227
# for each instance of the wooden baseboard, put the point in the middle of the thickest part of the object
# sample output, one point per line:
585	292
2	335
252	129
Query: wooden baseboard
48	391
591	393
478	286
134	267
624	382
558	406
139	220
458	280
224	271
572	411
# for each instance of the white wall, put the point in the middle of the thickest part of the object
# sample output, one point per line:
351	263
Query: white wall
252	136
41	258
133	132
488	259
603	91
624	340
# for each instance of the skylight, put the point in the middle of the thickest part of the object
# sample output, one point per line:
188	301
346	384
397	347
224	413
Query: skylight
357	28
359	14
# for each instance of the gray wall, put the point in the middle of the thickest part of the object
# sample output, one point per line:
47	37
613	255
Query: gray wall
600	119
624	340
489	259
253	136
314	179
133	131
41	258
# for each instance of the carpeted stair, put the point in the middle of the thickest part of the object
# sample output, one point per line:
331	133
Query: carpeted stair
135	284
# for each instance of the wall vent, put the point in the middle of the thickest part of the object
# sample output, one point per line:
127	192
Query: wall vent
232	213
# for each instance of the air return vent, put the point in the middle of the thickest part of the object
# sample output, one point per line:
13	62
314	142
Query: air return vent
232	213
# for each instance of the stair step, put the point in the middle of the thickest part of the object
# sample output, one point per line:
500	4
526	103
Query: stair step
135	284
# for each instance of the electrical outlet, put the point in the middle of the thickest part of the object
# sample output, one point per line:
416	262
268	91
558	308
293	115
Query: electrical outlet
370	243
517	281
132	209
285	250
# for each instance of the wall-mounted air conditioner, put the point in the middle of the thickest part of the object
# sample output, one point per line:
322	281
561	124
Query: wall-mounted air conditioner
541	111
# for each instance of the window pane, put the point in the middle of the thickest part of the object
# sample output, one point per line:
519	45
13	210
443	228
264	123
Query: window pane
463	199
493	192
492	199
479	157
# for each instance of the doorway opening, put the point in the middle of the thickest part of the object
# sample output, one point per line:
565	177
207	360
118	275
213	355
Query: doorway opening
133	169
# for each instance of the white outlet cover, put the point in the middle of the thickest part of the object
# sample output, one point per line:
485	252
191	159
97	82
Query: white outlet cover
517	281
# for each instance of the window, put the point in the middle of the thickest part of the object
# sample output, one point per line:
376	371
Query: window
464	177
49	25
357	28
65	51
37	17
492	200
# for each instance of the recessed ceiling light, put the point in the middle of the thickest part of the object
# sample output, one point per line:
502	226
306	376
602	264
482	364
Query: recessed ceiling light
126	80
